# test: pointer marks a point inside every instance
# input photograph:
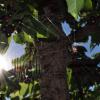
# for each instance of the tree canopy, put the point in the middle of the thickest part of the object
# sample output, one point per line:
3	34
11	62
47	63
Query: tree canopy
22	20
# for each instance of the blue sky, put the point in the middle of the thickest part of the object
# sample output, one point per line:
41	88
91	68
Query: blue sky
90	52
15	50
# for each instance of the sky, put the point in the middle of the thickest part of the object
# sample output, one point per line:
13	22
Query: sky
15	50
90	52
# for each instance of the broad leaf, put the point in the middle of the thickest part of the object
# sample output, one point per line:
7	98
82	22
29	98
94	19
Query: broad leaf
43	29
88	4
74	7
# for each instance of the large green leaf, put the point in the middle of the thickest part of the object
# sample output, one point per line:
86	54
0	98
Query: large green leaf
41	28
19	93
74	7
87	4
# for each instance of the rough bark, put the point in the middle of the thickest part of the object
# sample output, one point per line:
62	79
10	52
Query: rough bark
53	54
54	59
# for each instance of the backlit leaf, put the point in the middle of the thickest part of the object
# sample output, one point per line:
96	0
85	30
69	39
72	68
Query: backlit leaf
74	7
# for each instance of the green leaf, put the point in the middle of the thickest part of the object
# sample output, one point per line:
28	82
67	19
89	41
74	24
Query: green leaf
24	88
27	37
40	35
26	92
34	26
69	77
30	31
33	10
88	4
22	38
74	7
19	38
43	29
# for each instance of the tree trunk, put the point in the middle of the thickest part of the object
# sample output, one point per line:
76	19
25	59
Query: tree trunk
53	59
54	56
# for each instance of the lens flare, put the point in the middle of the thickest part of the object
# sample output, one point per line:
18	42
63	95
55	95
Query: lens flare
3	63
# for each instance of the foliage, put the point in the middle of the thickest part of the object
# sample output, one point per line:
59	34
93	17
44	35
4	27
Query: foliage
19	18
74	6
25	75
84	72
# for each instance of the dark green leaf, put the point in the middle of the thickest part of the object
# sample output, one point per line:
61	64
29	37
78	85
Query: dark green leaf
87	4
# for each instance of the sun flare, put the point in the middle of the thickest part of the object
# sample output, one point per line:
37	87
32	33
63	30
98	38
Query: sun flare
3	63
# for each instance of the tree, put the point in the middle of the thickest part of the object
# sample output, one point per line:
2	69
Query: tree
40	21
